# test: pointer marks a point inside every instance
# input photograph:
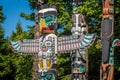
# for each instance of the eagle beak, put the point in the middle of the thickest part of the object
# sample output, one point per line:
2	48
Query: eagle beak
44	28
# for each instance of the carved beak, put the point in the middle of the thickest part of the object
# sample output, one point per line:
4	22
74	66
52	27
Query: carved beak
44	28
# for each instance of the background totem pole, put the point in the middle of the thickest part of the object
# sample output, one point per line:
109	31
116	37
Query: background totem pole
107	42
46	44
79	57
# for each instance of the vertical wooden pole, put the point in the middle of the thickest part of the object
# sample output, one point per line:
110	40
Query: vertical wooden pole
107	28
36	36
87	60
35	67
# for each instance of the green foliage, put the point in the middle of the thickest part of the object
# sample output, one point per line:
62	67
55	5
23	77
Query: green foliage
2	16
32	4
21	64
19	34
1	32
64	66
91	9
4	65
19	67
5	58
30	32
117	35
12	65
28	16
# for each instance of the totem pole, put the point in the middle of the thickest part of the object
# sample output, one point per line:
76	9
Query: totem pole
46	22
46	44
79	57
107	42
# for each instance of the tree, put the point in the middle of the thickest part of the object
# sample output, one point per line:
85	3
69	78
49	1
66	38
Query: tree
4	50
2	16
13	66
92	9
22	64
64	15
117	35
19	34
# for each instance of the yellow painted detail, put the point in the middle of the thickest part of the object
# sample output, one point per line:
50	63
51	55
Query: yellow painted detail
42	24
48	62
41	64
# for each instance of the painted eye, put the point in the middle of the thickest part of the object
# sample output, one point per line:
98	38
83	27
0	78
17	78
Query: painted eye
49	19
48	43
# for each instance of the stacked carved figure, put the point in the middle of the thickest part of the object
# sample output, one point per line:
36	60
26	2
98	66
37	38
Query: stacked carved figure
107	42
47	45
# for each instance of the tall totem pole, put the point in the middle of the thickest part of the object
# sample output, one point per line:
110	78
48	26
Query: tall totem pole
46	23
79	57
46	44
107	42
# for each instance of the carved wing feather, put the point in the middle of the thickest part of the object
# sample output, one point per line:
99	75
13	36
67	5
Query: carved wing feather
25	46
71	43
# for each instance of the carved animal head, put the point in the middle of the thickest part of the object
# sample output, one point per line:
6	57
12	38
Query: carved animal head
47	19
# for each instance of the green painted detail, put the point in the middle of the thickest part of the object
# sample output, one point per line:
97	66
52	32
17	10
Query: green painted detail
111	61
111	49
17	46
111	0
111	18
114	42
27	40
111	58
87	38
72	67
81	68
88	34
19	49
111	54
49	19
71	37
112	9
74	8
14	41
46	77
85	41
14	44
81	44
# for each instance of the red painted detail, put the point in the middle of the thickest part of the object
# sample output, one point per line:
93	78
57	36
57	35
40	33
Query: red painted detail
75	70
118	44
47	30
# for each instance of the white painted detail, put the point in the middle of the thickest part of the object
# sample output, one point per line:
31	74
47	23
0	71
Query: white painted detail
83	43
46	10
53	36
44	64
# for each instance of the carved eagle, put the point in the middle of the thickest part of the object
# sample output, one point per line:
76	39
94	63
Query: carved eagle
64	44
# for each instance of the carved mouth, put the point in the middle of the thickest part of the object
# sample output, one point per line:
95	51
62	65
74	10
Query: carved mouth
47	30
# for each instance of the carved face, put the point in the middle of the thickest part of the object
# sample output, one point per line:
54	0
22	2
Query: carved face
47	20
78	25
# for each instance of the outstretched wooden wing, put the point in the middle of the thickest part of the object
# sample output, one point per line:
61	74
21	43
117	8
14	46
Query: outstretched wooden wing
64	44
25	46
71	43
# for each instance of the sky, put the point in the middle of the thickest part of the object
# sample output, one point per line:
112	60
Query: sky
12	9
